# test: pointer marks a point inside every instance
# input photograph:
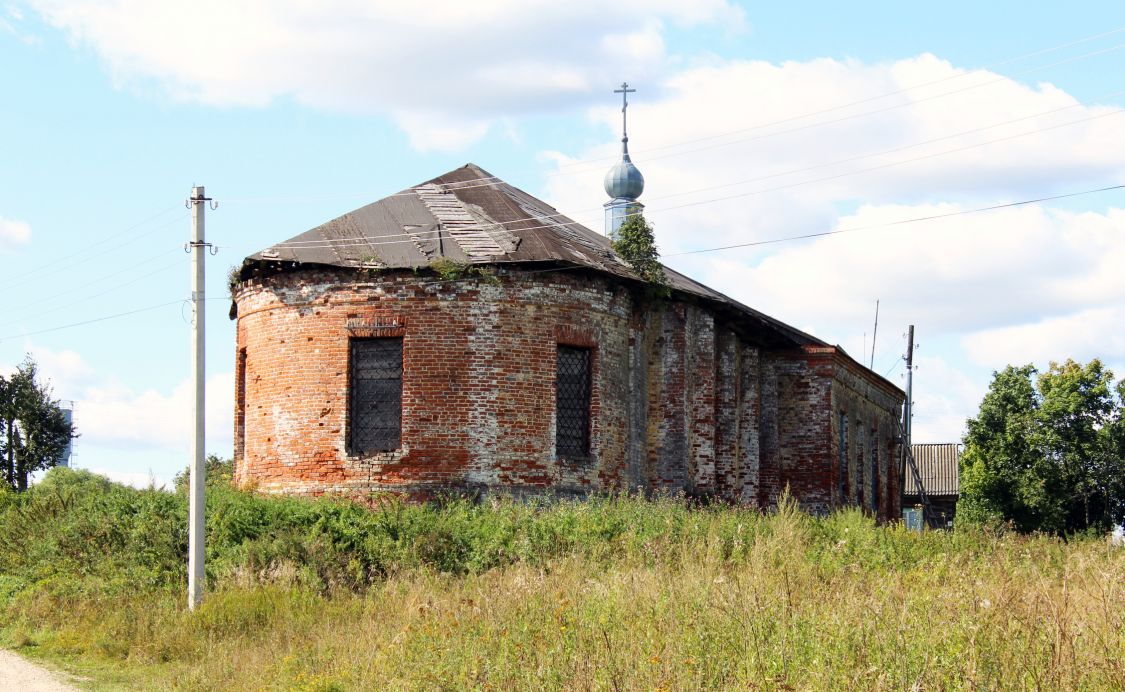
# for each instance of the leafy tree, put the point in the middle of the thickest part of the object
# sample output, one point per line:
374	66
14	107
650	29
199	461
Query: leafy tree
1048	455
636	244
216	471
34	430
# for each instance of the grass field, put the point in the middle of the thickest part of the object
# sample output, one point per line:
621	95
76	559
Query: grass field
616	594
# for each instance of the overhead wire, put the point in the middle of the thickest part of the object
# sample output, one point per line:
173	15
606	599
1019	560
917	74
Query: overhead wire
116	287
38	271
892	150
849	104
1072	59
400	238
726	247
460	185
78	258
492	180
31	305
900	222
890	165
853	116
90	321
894	366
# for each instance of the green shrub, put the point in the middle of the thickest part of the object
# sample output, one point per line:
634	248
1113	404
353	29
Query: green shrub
614	592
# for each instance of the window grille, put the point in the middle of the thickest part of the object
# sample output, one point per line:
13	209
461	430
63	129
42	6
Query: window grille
572	402
375	395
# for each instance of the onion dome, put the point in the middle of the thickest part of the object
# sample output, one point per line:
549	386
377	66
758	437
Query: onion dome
624	180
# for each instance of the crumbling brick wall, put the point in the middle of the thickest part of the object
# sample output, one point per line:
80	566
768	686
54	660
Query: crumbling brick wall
870	408
681	400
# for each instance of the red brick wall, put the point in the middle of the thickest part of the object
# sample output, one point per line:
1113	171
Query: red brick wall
872	410
680	400
478	380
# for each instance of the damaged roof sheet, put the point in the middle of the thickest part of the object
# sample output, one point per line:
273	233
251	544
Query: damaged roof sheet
470	216
938	465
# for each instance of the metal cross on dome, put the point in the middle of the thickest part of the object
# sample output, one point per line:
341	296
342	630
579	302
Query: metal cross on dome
624	91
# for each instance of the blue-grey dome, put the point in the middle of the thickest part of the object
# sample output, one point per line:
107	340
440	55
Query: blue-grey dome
624	180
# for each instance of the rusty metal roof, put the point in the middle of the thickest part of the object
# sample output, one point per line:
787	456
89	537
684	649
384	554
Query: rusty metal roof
469	215
938	467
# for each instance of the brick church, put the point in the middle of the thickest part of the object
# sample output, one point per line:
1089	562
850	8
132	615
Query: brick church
464	336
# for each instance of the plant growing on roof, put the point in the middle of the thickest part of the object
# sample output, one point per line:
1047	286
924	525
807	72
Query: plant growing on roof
450	270
636	244
234	278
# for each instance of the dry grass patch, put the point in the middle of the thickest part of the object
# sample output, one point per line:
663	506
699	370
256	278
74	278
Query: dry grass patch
616	594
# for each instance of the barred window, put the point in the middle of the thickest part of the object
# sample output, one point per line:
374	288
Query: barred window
572	402
375	395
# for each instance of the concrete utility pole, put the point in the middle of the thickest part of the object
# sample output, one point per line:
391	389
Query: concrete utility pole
198	375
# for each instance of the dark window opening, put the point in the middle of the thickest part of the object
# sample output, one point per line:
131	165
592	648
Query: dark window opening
859	464
843	457
572	403
375	395
874	471
240	405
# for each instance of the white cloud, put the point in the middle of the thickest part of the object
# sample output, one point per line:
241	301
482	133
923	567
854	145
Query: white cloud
12	23
740	130
110	415
1011	285
13	232
1082	335
944	397
952	275
66	366
435	132
137	479
441	60
113	415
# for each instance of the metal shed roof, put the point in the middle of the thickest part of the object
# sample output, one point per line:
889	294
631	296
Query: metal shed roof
938	467
469	215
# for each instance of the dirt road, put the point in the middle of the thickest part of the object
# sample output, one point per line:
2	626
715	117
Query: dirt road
17	673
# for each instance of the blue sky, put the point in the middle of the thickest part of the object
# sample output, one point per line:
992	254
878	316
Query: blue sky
810	118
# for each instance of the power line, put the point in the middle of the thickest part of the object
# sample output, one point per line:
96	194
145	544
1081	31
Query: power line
890	165
38	270
492	181
25	307
400	238
455	185
900	222
91	321
900	148
67	306
691	252
788	119
854	116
